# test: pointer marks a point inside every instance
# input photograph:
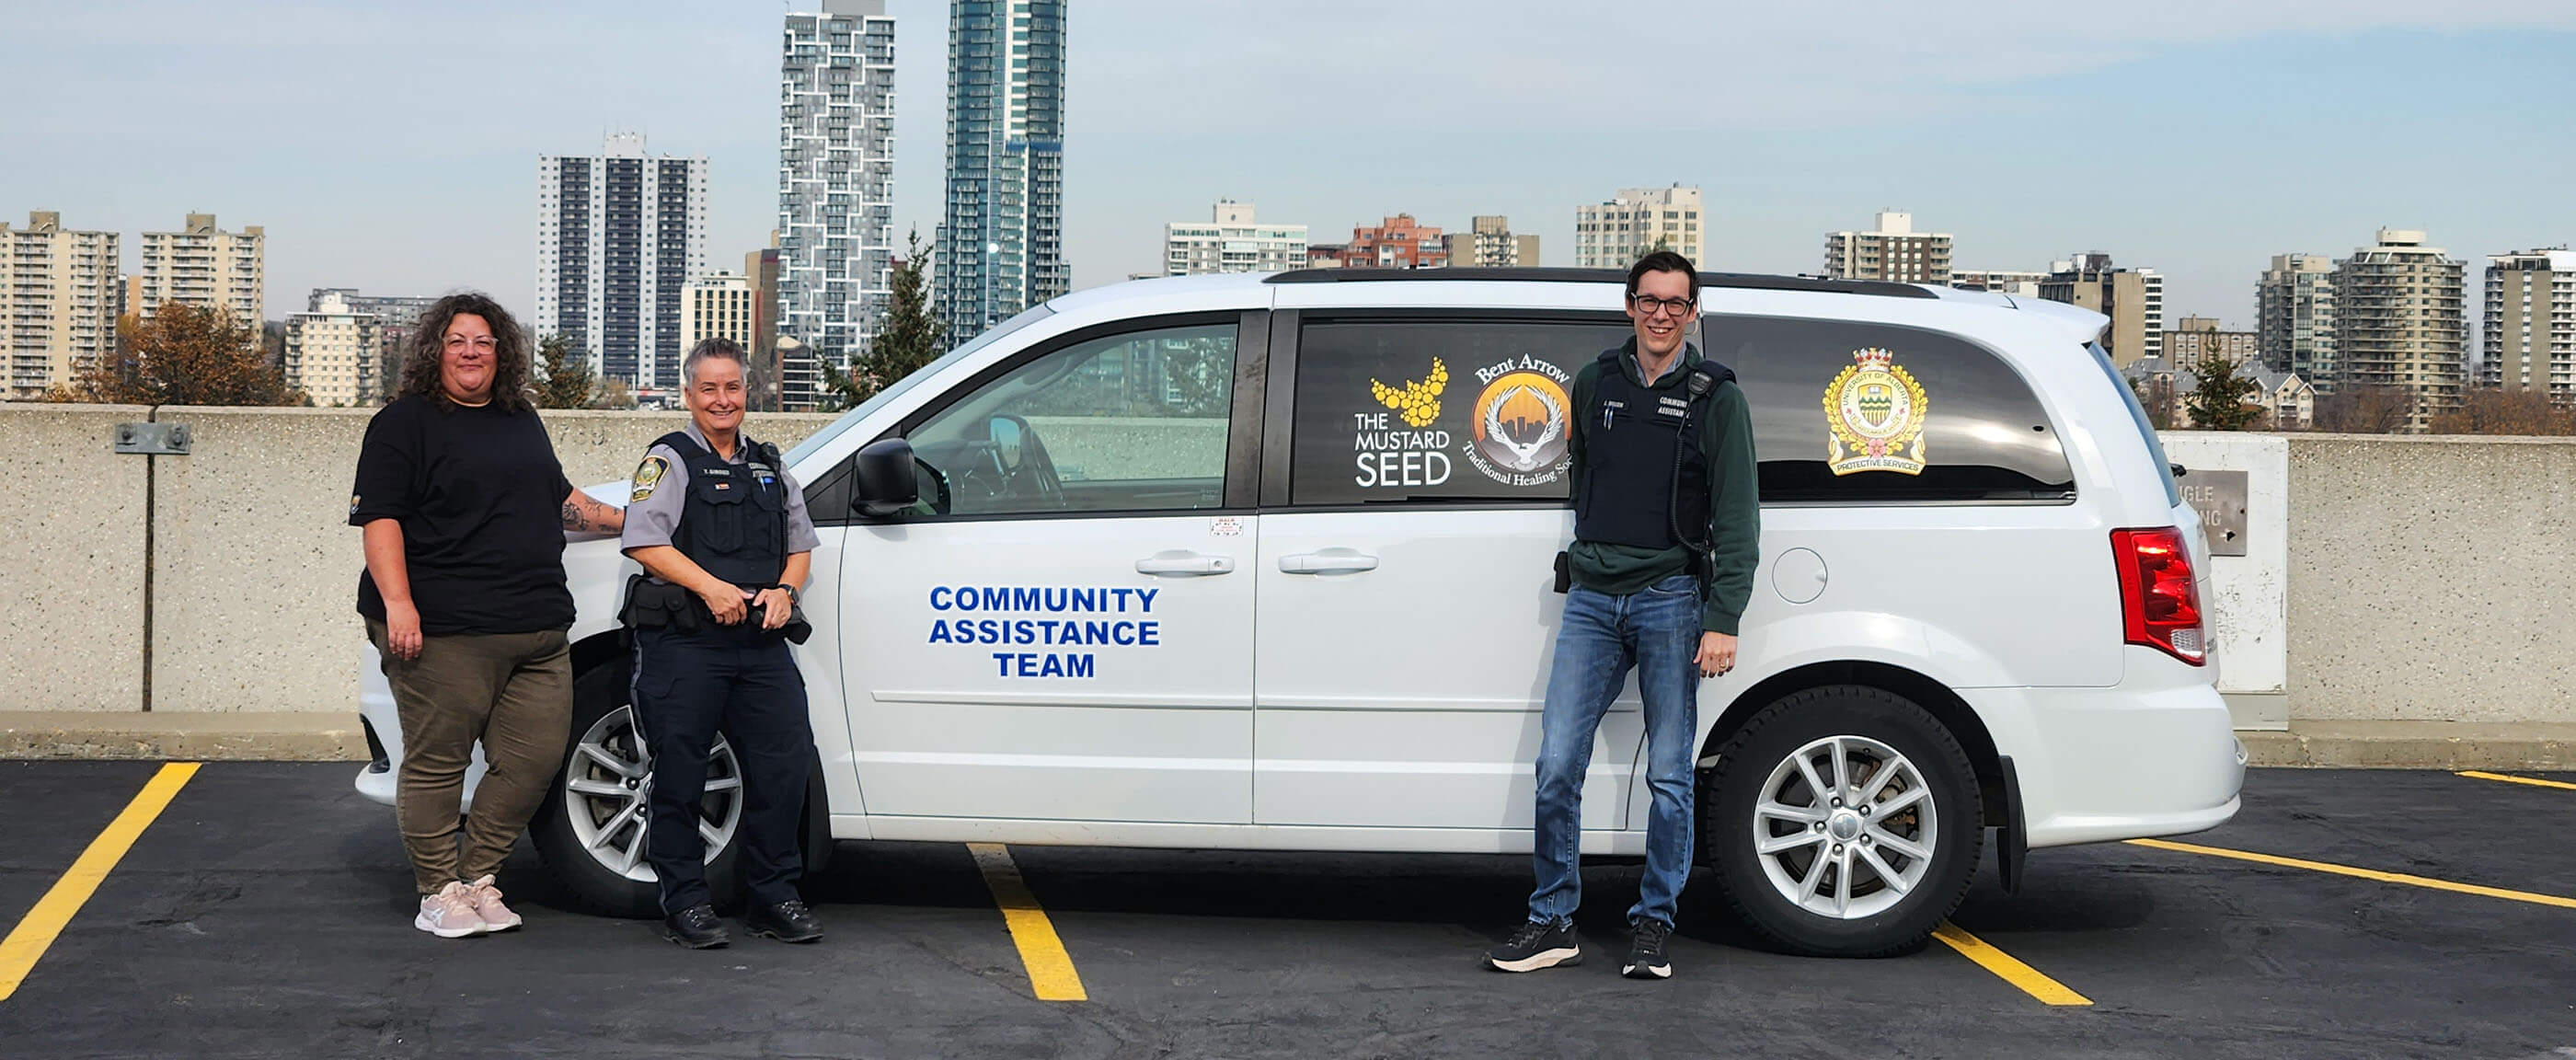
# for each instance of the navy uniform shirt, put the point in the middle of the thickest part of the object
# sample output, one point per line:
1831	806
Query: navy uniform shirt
661	488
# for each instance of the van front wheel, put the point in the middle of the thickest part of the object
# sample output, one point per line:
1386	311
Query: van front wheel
1842	822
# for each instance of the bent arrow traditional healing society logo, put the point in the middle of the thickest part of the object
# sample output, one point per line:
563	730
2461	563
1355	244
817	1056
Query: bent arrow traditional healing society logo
1521	422
1875	411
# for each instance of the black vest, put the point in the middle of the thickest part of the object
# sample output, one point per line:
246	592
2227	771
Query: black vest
733	523
1641	456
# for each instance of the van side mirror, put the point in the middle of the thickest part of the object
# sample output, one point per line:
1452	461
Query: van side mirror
886	479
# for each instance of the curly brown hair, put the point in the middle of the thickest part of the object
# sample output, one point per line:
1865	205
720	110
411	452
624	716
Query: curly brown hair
426	346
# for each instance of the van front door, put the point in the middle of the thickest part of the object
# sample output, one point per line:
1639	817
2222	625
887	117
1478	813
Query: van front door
1069	635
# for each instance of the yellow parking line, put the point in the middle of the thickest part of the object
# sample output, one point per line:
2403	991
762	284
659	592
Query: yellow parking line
20	951
2533	781
2008	968
1051	972
2367	874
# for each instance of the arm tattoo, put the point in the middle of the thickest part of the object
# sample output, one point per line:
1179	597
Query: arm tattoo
577	517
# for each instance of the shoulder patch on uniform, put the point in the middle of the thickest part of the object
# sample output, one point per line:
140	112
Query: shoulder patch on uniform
648	475
353	503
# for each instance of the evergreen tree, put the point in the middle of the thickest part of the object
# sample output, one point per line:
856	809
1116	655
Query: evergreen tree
2217	402
563	376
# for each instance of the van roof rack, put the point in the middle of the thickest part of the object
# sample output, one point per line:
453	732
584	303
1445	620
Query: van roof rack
1741	280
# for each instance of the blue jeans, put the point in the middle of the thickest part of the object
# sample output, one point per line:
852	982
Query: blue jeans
1656	631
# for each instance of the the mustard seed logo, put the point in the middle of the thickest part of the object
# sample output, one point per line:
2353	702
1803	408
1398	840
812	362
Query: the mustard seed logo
1418	401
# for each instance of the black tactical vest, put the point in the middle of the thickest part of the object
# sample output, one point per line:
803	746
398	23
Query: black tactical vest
1636	440
733	523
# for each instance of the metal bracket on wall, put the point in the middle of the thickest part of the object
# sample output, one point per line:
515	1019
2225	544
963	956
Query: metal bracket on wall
152	439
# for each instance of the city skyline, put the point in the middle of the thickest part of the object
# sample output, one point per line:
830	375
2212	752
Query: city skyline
2112	131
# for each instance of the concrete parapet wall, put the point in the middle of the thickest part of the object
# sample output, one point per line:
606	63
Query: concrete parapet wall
71	559
2431	579
254	570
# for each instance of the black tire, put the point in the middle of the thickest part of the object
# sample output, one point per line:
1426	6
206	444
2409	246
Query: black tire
1743	776
599	693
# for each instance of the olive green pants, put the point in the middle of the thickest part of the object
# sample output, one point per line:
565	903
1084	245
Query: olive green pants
512	692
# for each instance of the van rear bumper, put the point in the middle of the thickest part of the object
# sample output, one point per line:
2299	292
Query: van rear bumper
2104	764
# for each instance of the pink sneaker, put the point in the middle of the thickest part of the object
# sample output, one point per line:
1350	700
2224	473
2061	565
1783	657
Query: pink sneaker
487	905
449	914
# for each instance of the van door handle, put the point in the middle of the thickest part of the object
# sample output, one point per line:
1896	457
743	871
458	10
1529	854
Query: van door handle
1184	563
1328	561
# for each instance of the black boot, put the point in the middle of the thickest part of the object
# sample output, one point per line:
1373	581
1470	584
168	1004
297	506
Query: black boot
788	921
696	927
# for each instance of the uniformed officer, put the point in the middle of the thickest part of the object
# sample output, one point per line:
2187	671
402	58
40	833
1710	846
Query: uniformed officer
1666	530
721	530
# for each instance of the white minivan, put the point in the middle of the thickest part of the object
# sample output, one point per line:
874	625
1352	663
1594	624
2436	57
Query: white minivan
1266	562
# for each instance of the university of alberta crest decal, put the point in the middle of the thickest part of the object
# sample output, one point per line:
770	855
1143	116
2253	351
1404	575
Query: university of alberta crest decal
1876	412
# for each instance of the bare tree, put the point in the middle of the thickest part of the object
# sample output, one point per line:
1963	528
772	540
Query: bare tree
2495	410
2364	409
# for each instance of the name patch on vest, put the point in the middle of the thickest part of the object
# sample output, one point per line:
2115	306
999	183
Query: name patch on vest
1672	406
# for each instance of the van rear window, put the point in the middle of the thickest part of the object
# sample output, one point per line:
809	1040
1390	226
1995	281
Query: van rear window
1848	413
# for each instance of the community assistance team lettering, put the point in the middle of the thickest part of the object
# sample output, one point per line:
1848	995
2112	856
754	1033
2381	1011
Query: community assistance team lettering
1139	632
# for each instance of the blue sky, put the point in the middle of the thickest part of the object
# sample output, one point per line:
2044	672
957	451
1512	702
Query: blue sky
393	147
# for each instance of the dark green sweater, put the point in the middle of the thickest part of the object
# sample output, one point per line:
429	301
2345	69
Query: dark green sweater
1734	506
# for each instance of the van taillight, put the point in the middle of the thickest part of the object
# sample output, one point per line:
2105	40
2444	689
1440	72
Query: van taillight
2158	602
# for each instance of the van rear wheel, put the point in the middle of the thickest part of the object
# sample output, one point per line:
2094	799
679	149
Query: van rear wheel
1842	822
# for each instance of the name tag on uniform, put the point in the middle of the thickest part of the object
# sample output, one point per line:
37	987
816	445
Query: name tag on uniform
1672	406
1610	411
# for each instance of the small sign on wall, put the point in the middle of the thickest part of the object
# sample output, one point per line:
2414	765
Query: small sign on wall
2219	497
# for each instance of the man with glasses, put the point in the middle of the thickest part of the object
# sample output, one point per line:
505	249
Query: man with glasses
1666	532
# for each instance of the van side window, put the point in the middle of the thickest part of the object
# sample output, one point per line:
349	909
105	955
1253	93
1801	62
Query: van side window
1847	413
1134	422
1438	410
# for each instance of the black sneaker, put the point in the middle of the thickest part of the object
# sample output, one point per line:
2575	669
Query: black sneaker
696	927
1646	958
788	921
1534	946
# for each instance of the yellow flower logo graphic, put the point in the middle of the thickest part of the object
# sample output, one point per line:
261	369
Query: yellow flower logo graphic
1418	401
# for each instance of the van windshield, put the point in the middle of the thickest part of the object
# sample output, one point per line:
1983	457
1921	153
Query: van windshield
2146	427
816	441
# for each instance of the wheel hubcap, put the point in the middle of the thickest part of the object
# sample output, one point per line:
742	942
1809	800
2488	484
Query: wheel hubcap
609	785
1845	827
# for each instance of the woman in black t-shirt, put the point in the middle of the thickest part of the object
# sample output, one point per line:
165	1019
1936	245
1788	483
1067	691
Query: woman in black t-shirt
464	508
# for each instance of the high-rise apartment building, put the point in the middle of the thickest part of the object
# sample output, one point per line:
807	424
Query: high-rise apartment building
2295	318
2399	322
395	316
58	310
1002	247
207	267
1490	243
835	188
618	235
1231	241
717	305
2023	283
2134	299
1614	234
1397	242
760	273
2529	337
1892	250
334	353
2196	339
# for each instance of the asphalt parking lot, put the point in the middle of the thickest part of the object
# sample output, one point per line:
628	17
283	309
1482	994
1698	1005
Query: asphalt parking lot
266	912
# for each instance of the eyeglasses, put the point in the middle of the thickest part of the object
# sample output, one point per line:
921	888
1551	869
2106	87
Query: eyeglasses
1648	304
